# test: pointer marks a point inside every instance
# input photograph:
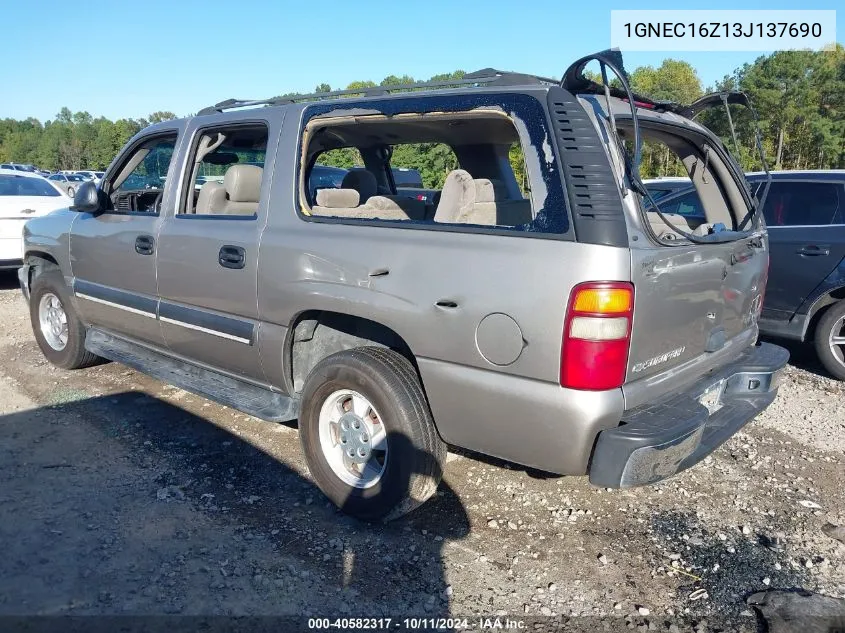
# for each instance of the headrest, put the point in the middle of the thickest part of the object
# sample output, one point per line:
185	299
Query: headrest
488	190
456	197
338	198
243	183
361	181
212	197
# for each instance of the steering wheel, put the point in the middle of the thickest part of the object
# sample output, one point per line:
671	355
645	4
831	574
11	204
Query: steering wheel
157	202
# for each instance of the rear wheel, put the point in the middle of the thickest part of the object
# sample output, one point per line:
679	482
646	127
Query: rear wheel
368	434
71	191
57	328
830	340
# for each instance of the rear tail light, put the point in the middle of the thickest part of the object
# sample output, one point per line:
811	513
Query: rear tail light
597	335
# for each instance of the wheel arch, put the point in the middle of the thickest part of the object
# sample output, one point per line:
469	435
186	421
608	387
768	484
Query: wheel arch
819	306
37	261
316	334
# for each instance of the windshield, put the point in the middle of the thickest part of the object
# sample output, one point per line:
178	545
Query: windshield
76	178
24	186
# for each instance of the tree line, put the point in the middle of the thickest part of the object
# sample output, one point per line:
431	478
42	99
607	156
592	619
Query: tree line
799	97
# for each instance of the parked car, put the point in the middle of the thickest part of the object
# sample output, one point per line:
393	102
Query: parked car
91	175
23	196
805	297
69	182
19	167
558	331
407	178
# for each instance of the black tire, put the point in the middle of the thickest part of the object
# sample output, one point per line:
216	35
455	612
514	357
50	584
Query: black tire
73	355
831	319
71	191
416	453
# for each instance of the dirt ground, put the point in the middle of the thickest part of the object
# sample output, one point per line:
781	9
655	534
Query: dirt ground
122	495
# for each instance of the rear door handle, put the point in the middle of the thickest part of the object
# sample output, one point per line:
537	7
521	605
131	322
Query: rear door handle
815	250
145	245
231	257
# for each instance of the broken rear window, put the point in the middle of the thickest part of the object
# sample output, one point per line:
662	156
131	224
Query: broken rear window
488	167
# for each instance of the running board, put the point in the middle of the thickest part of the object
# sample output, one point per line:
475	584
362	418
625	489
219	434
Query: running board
238	394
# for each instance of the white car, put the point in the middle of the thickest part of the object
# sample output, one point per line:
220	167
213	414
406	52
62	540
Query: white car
96	176
23	196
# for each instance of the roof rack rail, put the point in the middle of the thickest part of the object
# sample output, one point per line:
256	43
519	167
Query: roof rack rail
485	76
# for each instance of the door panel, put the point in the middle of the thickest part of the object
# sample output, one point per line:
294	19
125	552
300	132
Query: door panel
209	312
115	284
805	248
208	245
113	253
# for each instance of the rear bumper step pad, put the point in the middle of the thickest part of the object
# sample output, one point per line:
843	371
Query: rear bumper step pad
656	441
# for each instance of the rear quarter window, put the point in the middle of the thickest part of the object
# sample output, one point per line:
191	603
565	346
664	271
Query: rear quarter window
475	185
804	204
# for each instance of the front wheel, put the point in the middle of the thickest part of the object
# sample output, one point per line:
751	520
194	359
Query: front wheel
368	434
830	340
57	328
71	191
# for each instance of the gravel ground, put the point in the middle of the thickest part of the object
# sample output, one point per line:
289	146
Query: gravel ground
122	495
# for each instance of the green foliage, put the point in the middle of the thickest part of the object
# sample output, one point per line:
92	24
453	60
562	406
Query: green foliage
434	161
74	140
799	97
674	81
345	157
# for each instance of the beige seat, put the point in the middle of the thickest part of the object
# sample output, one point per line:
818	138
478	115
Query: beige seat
465	200
343	203
243	189
212	198
386	206
666	232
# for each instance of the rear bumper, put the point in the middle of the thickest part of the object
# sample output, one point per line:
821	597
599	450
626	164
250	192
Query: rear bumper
658	440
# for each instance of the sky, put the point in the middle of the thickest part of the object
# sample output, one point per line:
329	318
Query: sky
130	58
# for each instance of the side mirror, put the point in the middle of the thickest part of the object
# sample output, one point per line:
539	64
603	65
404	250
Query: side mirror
87	198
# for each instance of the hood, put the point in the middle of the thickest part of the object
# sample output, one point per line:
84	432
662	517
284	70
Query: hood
25	207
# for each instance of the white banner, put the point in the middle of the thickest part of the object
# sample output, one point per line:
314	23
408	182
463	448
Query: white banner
721	30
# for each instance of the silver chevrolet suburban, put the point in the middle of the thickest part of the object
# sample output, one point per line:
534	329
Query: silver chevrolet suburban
545	319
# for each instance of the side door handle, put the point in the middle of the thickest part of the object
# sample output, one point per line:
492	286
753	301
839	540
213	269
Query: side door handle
231	257
145	245
814	250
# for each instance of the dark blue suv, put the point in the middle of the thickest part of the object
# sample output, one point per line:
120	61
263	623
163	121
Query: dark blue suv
805	215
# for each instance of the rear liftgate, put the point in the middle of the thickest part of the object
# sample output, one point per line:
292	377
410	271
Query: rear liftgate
694	297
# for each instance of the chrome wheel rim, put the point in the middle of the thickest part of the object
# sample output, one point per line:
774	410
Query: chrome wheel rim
353	438
836	340
53	321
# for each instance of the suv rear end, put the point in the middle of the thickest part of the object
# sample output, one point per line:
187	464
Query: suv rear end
693	371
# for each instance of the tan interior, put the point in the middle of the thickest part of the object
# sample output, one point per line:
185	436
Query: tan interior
463	200
238	195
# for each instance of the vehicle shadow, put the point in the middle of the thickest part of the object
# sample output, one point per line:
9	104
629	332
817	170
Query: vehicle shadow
801	355
9	279
349	567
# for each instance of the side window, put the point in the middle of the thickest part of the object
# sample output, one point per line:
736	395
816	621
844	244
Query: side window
225	172
149	166
462	168
688	205
803	204
138	184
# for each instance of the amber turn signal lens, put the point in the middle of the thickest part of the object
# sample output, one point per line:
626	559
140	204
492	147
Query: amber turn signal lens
603	300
